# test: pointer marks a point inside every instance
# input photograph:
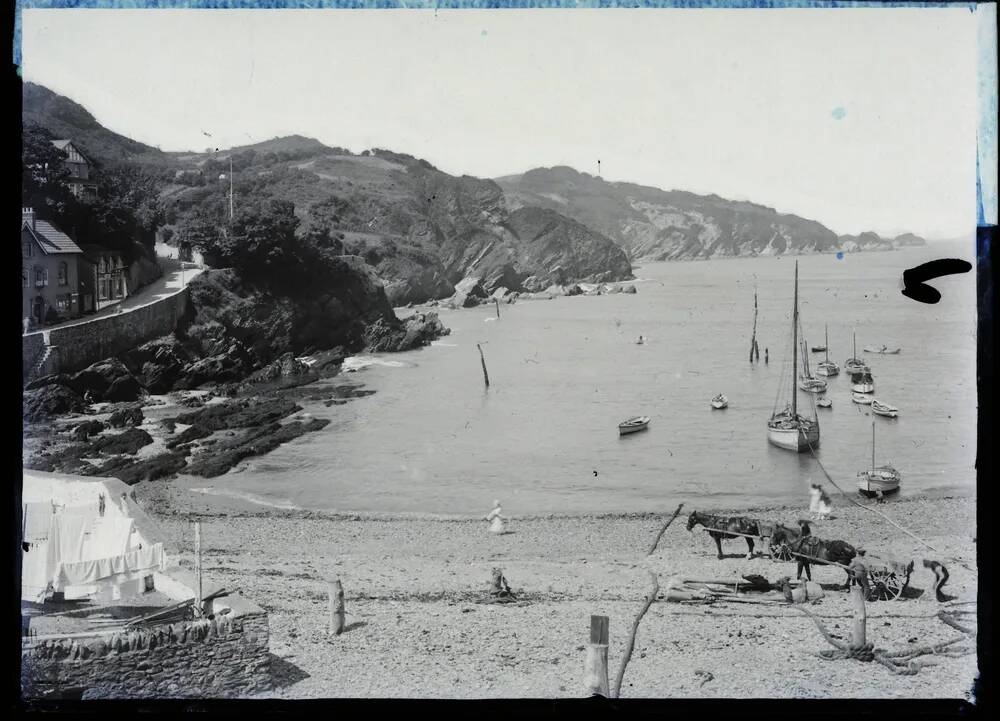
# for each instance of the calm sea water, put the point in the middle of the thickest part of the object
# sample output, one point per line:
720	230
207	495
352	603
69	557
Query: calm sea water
565	372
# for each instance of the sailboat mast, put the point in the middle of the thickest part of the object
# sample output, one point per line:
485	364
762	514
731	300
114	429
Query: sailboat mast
230	187
826	341
795	343
873	446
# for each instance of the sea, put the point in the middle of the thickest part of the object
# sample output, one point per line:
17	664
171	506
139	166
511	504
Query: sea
543	438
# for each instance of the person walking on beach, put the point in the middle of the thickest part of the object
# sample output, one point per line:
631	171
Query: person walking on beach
495	519
859	571
814	495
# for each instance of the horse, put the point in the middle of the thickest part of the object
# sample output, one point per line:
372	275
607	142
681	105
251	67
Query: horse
739	524
821	552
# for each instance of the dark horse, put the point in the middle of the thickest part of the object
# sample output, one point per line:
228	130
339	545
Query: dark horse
818	551
739	524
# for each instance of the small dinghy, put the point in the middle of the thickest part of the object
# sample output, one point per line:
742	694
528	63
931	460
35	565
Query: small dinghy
633	425
640	340
812	385
884	350
720	402
824	403
884	409
861	399
819	349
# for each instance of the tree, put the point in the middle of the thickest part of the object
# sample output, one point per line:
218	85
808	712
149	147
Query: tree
44	174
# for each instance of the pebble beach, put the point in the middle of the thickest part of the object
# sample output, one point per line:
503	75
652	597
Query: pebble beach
417	625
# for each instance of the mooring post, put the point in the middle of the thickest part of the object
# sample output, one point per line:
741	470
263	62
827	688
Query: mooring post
497	301
335	623
595	667
482	359
860	617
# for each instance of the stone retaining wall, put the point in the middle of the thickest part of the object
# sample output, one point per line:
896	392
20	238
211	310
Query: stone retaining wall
224	657
78	346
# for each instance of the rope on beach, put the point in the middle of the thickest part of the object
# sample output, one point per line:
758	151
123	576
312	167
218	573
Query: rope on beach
659	535
901	663
635	627
869	508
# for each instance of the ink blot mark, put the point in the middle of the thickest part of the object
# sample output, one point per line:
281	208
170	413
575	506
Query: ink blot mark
838	113
914	279
840	255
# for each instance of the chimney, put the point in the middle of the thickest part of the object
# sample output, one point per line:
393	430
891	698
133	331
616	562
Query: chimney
28	216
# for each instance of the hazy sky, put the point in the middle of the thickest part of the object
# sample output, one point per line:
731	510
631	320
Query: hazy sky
862	119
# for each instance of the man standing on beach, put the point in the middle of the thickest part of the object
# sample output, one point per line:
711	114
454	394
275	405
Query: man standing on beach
859	571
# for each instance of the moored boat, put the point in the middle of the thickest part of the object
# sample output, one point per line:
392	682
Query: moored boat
807	381
880	479
720	402
854	363
633	425
861	399
818	349
862	381
788	428
884	409
884	350
824	403
827	367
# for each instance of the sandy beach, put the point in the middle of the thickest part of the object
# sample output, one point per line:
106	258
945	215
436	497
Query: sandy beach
416	627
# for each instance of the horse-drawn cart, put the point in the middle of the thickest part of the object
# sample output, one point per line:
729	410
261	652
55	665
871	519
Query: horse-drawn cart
887	578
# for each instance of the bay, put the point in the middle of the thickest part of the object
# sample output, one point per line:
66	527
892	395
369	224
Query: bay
564	372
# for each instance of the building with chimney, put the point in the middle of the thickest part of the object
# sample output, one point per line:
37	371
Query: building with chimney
55	276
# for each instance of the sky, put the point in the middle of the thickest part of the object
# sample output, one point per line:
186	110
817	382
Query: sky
862	119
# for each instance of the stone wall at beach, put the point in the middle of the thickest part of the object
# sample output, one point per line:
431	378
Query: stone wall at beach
78	346
224	657
32	346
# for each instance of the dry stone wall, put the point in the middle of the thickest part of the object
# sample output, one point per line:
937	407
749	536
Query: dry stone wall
224	657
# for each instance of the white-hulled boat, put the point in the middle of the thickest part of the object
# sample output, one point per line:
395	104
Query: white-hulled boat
827	367
884	350
720	402
854	363
884	409
824	403
884	479
862	381
861	399
633	425
807	381
787	428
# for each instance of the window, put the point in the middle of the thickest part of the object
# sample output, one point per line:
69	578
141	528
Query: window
27	251
103	292
24	278
63	274
41	277
63	303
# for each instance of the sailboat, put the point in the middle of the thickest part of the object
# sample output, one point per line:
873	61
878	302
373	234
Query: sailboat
862	381
808	382
787	428
854	363
828	367
754	348
883	478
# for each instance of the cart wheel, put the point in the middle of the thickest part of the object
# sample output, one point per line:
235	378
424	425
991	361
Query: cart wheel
884	585
781	552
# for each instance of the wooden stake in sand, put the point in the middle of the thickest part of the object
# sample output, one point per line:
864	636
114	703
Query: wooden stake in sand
486	376
335	623
595	667
497	301
654	591
860	617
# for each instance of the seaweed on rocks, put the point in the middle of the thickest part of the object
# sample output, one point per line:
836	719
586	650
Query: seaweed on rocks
227	454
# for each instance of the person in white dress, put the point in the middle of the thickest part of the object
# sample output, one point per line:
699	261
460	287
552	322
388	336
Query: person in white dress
814	498
823	505
495	519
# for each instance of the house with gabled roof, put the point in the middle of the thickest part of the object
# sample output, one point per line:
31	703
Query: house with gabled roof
79	167
56	278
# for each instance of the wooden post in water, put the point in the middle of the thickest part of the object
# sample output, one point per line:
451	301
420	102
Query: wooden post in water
595	666
486	376
197	564
860	617
497	301
335	623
